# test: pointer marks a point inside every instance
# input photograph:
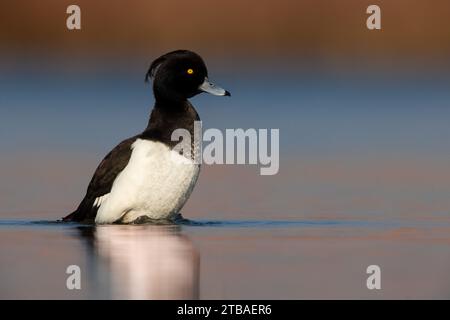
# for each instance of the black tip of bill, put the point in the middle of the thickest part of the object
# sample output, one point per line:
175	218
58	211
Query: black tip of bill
227	93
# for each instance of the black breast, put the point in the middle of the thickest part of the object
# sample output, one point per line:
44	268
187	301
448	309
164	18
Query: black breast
165	120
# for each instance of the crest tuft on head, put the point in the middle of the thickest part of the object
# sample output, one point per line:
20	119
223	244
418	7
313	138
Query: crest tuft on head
159	61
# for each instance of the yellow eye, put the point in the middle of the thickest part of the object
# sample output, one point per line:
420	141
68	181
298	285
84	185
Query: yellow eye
190	71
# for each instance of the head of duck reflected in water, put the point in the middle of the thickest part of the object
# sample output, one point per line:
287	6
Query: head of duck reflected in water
143	262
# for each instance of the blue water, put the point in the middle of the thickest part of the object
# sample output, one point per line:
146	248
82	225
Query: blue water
317	111
226	259
321	114
256	224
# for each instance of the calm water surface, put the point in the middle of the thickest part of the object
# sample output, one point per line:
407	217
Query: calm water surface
364	179
226	259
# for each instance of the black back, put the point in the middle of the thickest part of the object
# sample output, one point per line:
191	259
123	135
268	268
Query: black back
172	111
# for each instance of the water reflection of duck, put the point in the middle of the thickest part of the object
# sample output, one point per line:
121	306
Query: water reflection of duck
144	262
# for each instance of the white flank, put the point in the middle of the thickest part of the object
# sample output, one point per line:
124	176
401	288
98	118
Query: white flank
98	201
156	183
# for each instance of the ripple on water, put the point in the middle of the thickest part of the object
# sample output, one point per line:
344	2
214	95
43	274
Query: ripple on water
257	224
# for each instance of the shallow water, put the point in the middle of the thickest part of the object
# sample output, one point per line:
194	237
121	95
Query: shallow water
233	259
364	179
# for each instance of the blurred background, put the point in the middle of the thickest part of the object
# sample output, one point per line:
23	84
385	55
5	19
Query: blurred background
363	115
364	147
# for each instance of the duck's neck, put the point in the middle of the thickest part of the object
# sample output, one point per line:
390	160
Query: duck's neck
166	117
171	105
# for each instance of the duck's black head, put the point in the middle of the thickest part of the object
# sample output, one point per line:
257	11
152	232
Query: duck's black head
179	75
